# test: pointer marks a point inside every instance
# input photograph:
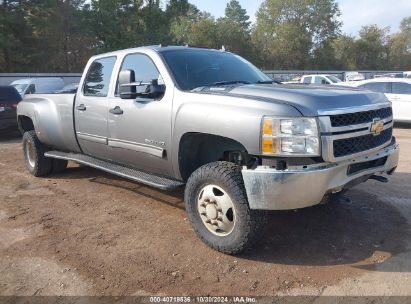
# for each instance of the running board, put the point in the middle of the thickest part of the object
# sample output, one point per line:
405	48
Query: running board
159	182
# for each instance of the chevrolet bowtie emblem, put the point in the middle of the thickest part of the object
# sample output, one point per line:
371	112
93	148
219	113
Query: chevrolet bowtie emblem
377	126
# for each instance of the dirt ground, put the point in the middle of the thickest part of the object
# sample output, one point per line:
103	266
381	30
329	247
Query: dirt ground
84	232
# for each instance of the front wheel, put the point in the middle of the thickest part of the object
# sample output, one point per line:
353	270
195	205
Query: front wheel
217	206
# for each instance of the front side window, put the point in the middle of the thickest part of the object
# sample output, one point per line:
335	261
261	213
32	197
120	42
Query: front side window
195	68
143	67
98	77
381	87
320	80
31	89
401	88
334	79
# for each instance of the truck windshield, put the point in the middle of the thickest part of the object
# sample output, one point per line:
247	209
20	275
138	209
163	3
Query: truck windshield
194	68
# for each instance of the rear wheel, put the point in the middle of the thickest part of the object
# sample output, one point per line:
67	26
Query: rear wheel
33	151
217	206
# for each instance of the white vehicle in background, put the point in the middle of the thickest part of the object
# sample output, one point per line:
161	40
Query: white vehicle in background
353	76
42	85
391	75
320	79
397	90
407	74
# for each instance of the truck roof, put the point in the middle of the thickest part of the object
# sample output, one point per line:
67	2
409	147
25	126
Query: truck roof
157	48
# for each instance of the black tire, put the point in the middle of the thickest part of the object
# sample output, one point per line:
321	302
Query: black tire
59	165
36	162
249	223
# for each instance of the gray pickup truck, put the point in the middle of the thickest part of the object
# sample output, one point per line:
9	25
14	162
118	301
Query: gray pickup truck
208	119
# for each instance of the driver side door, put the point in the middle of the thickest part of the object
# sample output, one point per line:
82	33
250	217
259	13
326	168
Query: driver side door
140	129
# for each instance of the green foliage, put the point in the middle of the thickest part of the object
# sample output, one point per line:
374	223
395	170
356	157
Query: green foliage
290	31
236	14
60	35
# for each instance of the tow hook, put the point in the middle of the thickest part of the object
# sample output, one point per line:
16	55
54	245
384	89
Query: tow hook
379	178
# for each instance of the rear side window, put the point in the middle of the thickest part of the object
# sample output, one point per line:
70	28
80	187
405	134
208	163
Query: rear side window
382	87
98	77
307	79
401	88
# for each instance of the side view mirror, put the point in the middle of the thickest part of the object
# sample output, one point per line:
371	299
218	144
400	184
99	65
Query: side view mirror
128	87
154	90
125	79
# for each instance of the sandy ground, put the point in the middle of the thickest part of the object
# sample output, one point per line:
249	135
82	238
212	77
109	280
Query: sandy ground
84	232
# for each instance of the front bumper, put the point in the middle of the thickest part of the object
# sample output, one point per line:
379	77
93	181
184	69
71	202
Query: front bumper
271	189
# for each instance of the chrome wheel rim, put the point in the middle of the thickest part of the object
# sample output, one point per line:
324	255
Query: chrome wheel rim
216	210
30	153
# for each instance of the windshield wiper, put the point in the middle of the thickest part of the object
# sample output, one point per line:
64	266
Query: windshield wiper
227	82
221	83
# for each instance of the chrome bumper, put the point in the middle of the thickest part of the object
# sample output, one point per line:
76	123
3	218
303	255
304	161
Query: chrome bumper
271	189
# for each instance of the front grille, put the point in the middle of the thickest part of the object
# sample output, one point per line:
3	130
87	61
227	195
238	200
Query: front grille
359	117
354	168
353	145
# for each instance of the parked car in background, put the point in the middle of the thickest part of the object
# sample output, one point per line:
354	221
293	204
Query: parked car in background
353	76
320	79
68	89
43	85
9	98
390	75
397	90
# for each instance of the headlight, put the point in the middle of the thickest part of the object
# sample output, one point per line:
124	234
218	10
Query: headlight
290	136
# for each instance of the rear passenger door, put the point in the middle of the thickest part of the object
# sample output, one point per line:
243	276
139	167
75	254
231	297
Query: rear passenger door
91	108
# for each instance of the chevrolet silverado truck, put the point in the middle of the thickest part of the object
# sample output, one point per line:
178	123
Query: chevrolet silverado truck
170	116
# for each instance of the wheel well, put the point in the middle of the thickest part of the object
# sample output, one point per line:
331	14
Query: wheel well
197	149
25	124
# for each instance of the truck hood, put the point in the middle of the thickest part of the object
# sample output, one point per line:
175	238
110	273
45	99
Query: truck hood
309	100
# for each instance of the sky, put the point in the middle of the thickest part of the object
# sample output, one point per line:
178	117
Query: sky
354	13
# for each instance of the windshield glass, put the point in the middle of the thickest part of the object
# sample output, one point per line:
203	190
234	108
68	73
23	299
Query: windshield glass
197	68
334	79
20	87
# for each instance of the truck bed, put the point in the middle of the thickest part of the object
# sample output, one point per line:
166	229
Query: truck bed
56	128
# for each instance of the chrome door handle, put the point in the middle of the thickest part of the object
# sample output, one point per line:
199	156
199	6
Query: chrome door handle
81	107
116	110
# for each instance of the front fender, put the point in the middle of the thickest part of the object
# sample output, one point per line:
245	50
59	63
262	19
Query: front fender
235	118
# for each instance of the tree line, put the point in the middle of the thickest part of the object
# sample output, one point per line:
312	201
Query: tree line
60	35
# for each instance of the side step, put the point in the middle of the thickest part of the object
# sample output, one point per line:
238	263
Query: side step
159	182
